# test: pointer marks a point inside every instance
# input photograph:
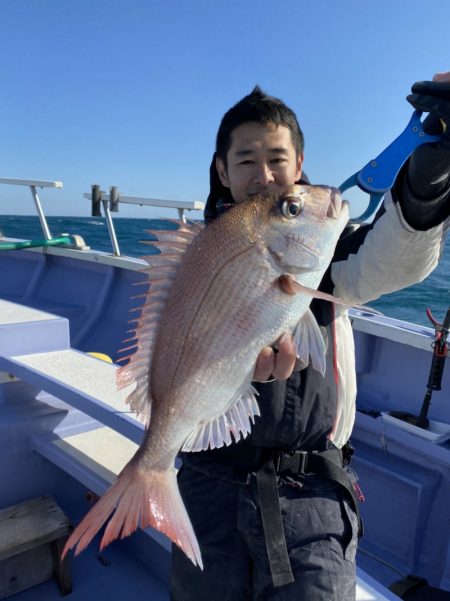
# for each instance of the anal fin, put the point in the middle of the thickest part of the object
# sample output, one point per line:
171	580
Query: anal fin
230	427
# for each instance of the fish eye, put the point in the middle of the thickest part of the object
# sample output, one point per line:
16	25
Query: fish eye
291	207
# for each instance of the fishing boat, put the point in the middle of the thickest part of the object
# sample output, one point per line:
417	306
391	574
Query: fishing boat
66	432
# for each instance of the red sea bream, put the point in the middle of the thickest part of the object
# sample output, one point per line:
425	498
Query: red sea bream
218	295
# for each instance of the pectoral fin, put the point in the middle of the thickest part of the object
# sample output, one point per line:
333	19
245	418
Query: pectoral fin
290	286
309	343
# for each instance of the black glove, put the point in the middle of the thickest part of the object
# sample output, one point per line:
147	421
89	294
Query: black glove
425	182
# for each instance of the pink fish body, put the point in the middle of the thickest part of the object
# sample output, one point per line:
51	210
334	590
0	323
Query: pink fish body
215	300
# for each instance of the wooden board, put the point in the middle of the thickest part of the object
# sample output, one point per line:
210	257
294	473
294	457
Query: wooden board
23	571
31	524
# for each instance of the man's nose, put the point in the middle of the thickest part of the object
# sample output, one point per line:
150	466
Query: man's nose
264	175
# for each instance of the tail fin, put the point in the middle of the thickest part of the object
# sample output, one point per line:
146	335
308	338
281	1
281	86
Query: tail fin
139	498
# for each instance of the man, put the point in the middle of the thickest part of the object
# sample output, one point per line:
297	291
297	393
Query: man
276	515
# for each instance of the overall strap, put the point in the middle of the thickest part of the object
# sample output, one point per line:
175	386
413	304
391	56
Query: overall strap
327	464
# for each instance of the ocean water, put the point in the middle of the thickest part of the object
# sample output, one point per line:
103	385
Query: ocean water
409	304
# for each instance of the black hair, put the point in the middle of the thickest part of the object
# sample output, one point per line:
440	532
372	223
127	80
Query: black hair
257	107
260	108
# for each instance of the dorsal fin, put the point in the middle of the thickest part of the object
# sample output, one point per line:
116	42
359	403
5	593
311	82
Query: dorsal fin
160	272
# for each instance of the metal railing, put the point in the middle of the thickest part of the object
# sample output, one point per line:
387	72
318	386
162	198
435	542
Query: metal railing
110	202
33	184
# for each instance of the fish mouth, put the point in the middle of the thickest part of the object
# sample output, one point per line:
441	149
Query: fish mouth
337	205
334	209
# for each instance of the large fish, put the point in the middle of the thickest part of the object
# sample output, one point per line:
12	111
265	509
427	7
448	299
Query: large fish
217	297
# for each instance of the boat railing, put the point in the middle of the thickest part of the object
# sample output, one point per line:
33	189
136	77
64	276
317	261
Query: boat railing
110	203
99	198
33	184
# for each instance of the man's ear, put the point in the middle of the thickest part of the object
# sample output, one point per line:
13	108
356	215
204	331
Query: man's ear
298	173
222	171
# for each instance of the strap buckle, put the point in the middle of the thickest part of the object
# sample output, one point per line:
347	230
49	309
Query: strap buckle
296	462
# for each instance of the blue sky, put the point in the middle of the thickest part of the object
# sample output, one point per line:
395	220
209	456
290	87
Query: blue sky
131	92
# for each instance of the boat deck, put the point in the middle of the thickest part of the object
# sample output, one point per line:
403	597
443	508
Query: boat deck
117	573
49	446
90	451
114	574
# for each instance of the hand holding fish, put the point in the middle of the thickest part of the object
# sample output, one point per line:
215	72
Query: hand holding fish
276	363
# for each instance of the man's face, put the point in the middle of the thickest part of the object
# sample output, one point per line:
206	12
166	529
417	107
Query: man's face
261	157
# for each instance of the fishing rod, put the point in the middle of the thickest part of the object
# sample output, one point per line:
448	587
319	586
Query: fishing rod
440	350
